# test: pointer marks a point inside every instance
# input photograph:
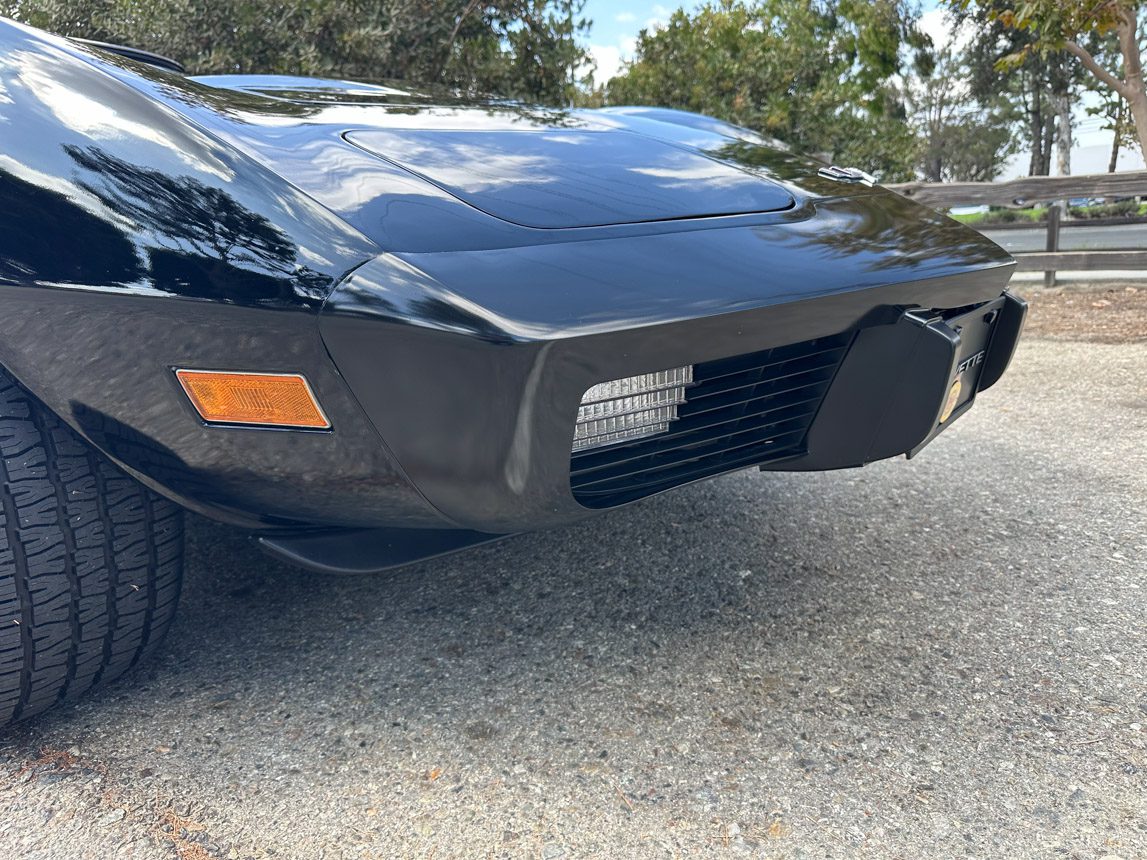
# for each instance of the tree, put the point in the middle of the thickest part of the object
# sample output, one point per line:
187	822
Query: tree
521	49
1069	26
1112	111
1115	118
961	139
819	74
1043	86
55	239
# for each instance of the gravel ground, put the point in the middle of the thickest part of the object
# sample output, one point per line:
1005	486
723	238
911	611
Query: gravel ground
931	659
1100	312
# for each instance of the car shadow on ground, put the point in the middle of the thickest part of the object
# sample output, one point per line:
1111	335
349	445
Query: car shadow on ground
776	561
788	568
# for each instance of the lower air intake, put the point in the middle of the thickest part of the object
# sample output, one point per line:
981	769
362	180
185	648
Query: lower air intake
738	412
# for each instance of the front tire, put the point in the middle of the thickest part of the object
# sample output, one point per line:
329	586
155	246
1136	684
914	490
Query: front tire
90	562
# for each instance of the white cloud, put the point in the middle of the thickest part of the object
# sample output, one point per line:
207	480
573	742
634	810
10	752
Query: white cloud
660	17
624	17
607	58
610	57
937	24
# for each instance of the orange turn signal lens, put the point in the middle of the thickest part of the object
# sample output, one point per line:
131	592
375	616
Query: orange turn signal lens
266	399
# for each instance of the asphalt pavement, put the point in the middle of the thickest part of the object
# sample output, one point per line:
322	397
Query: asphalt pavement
1104	237
938	658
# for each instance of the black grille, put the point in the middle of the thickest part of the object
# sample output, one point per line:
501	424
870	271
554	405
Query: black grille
738	412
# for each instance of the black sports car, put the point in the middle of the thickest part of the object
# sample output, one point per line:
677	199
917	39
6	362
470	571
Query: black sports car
373	325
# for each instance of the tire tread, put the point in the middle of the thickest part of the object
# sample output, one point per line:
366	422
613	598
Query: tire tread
90	562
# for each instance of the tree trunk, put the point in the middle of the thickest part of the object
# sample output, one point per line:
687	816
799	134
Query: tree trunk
1035	132
1036	164
1137	101
1136	90
1063	134
935	170
1113	163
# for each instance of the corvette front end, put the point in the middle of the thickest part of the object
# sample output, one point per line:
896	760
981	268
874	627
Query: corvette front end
401	307
372	325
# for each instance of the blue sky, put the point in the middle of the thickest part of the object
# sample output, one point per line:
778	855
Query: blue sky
616	24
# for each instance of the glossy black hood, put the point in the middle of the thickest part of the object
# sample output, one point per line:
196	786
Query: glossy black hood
422	170
410	167
557	177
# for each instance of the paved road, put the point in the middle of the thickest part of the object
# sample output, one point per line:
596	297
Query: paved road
1111	237
931	659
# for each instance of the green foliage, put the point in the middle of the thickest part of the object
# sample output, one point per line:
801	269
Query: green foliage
1002	64
1053	23
818	74
1119	209
1002	215
524	49
1038	214
1079	30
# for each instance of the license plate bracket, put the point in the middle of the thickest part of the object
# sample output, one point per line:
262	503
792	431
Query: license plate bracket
973	331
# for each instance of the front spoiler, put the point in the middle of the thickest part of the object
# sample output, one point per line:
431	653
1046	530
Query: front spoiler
369	550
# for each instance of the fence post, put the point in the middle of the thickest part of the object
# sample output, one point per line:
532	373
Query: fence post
1053	212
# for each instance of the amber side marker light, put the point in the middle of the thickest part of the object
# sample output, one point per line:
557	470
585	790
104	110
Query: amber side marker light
254	399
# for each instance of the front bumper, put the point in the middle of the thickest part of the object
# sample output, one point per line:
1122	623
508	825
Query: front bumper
452	380
475	387
879	392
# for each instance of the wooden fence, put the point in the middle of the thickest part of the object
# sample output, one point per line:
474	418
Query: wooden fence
1031	190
